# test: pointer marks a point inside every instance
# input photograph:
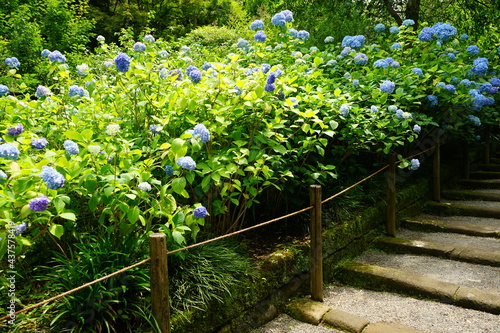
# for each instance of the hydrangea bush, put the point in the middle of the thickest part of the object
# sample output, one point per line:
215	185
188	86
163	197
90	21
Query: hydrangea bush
158	137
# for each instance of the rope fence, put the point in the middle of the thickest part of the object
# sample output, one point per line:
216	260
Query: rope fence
314	206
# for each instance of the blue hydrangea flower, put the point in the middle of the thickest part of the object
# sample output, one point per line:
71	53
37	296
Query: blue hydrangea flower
139	47
257	25
346	51
381	63
360	59
4	90
354	41
149	38
473	49
242	44
155	129
270	87
388	86
15	130
42	91
265	68
186	162
392	108
466	82
408	22
355	82
52	178
344	110
379	27
464	36
20	228
329	40
432	100
39	143
82	70
75	90
101	39
71	147
440	85
418	71
238	90
452	56
478	137
488	88
313	49
396	46
260	36
475	120
373	108
415	164
39	204
122	62
288	15
271	77
395	64
144	186
12	62
279	19
480	66
202	133
200	212
107	63
426	34
417	128
9	151
56	56
185	49
302	34
3	176
451	88
169	170
195	75
45	53
444	31
163	53
495	81
394	30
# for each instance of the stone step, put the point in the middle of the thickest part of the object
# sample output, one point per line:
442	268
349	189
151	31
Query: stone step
474	226
479	183
487	209
439	279
487	195
489	167
448	250
484	175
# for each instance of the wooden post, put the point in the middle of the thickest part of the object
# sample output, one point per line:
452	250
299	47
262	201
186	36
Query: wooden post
466	160
486	155
159	281
316	245
391	196
436	172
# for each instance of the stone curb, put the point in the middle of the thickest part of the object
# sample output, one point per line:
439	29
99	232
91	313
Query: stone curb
307	310
458	253
484	175
416	284
479	183
466	229
464	210
471	195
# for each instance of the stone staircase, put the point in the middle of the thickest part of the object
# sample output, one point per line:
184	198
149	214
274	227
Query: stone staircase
440	274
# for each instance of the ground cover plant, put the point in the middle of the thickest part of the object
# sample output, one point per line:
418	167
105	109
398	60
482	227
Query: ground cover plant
152	137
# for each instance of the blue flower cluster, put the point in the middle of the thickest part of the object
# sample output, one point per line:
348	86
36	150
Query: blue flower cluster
495	81
71	147
474	120
3	176
451	88
354	41
417	128
479	100
139	47
418	71
12	62
122	62
472	49
381	63
15	130
360	59
432	100
394	30
52	178
464	36
75	90
467	83
451	56
426	34
201	133
163	53
194	73
408	22
488	88
396	46
480	66
257	25
415	164
186	162
379	27
169	170
200	212
388	86
444	31
395	64
39	204
344	110
20	228
149	38
144	186
260	36
271	79
329	40
155	129
42	91
302	34
4	90
56	56
39	143
82	70
9	151
45	53
282	18
242	44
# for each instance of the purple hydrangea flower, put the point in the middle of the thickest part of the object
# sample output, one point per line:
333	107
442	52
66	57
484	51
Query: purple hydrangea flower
200	212
71	147
186	162
15	130
39	143
388	86
20	228
52	178
39	204
122	62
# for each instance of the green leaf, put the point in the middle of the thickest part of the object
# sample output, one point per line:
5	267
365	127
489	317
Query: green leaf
280	149
178	238
87	134
133	214
72	135
68	216
94	149
56	230
179	148
178	185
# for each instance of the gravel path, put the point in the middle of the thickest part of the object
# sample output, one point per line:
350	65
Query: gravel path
284	323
